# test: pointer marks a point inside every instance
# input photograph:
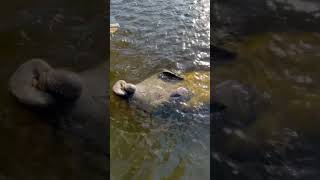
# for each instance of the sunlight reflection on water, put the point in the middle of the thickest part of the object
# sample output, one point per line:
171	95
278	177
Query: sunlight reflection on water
154	35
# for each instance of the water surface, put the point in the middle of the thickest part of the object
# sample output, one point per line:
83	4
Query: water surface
281	60
154	35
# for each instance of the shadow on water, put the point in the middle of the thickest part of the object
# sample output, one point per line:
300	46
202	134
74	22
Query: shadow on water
67	34
282	63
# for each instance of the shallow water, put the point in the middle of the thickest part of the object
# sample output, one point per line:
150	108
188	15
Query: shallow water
68	36
154	35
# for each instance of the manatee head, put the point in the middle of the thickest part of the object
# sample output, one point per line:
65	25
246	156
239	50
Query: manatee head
61	84
37	84
161	80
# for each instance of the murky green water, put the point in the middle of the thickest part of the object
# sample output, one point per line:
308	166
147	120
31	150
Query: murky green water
66	34
154	35
282	61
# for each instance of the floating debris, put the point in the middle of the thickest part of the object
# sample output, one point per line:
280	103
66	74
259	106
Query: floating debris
114	26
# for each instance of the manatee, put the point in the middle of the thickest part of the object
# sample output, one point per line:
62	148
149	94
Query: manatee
75	103
37	84
167	89
238	104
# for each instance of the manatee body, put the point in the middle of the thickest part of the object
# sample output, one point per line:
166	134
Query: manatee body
75	103
166	89
238	104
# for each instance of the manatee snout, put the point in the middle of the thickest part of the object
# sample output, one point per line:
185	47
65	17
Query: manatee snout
123	89
61	84
36	83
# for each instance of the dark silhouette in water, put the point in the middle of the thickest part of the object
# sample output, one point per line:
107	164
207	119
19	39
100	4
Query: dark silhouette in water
221	55
75	103
248	16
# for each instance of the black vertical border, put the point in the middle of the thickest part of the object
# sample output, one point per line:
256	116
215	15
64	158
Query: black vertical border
107	55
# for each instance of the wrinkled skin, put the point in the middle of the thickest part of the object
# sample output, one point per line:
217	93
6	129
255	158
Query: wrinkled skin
74	103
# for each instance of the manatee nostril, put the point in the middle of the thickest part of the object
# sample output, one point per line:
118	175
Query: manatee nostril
35	79
122	84
176	95
130	88
39	80
34	82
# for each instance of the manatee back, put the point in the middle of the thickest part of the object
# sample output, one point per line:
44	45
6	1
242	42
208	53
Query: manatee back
240	103
166	90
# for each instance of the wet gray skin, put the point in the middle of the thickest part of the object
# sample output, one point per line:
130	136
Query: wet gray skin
37	84
74	103
239	104
161	89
